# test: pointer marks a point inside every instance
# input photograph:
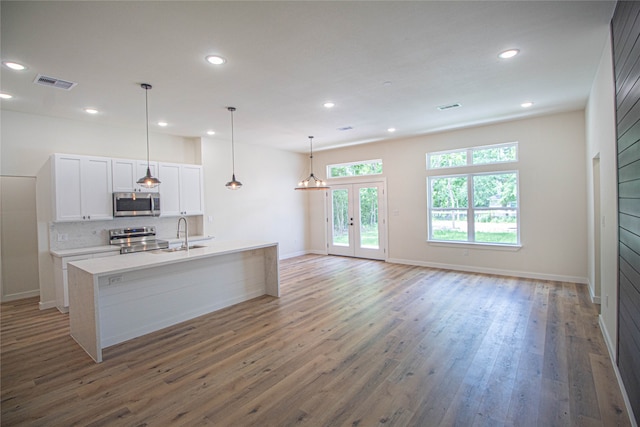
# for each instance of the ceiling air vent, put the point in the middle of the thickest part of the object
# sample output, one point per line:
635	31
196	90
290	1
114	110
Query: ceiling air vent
449	107
54	82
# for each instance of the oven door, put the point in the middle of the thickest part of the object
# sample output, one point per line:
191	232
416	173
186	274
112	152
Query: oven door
136	204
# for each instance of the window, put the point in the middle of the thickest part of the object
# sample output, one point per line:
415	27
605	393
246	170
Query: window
474	207
498	153
370	167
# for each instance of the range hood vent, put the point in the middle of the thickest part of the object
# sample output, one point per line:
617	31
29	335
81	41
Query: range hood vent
54	82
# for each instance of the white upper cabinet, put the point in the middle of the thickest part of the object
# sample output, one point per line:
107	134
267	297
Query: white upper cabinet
191	192
126	173
82	188
181	189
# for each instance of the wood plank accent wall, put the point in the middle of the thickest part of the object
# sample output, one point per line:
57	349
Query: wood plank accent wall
625	28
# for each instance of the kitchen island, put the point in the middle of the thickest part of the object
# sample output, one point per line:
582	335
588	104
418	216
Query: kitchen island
118	298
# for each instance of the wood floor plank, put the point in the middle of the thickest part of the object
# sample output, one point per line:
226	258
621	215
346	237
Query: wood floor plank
350	342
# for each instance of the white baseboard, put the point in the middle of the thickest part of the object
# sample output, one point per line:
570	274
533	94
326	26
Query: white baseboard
301	253
496	271
21	295
612	357
594	298
317	252
46	305
293	254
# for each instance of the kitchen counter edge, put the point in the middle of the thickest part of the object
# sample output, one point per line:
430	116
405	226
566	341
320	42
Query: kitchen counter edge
142	260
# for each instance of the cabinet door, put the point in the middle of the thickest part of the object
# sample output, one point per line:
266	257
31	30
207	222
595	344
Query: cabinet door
67	199
124	175
169	176
96	188
141	170
191	190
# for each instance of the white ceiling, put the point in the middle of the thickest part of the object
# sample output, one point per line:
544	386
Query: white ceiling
285	59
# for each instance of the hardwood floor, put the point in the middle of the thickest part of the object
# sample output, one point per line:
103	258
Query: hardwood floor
350	343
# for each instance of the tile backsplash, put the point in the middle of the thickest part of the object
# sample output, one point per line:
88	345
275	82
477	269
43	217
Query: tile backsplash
73	235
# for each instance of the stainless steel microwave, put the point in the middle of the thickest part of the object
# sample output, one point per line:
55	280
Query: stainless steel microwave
136	204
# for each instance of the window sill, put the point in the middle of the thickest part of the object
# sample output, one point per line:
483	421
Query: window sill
484	246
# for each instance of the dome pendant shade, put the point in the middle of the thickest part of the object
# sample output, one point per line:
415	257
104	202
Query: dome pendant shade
234	184
147	181
312	182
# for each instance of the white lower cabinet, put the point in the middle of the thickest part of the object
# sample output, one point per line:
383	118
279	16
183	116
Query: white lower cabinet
60	276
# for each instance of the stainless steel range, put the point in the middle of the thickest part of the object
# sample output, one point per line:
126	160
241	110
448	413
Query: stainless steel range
136	239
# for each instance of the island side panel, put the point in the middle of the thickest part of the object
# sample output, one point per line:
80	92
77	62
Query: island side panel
138	302
84	312
272	270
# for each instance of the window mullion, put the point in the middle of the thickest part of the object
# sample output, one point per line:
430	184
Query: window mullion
470	216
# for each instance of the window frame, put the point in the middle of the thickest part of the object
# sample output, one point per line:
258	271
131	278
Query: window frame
360	162
469	153
470	210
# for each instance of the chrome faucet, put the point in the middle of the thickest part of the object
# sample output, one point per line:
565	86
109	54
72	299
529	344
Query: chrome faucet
185	244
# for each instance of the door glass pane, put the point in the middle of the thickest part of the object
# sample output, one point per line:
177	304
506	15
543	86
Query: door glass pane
368	199
340	208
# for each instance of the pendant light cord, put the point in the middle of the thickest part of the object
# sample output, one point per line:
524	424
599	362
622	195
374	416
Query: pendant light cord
311	154
146	109
233	151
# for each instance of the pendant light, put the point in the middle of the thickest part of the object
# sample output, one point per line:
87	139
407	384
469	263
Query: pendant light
233	184
147	181
312	182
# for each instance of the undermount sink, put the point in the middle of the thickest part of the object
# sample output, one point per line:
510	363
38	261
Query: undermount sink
179	248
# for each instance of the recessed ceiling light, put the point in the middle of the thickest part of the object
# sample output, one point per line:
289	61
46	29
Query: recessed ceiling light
210	132
526	104
14	65
329	104
5	96
91	110
508	53
163	124
391	130
215	59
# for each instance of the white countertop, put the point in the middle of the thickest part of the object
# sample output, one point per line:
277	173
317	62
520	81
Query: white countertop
60	253
141	260
116	248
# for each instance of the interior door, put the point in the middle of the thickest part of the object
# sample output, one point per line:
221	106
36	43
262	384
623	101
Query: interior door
356	220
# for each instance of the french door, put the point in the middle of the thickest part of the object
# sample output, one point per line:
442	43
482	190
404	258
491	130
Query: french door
356	222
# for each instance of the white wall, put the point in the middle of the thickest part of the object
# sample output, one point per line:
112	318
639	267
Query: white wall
28	141
266	208
601	142
552	198
19	238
